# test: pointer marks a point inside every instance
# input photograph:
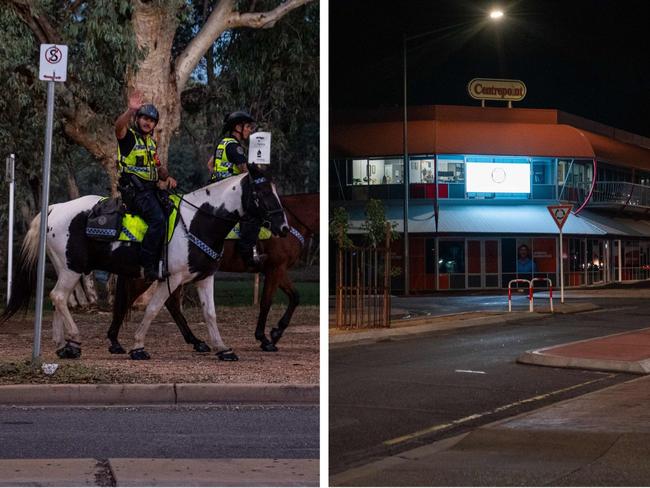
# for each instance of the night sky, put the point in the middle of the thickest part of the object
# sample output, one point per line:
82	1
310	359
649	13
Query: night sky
590	58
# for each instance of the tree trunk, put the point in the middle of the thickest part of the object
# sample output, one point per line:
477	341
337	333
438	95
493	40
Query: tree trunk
155	27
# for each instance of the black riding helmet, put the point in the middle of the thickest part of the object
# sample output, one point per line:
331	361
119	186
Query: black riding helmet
149	110
234	118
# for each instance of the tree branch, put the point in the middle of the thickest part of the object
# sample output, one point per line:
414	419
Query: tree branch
223	18
266	20
39	25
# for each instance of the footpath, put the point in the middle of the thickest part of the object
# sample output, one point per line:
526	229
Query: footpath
598	439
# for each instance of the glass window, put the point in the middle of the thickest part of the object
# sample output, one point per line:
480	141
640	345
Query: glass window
422	171
451	170
357	172
386	171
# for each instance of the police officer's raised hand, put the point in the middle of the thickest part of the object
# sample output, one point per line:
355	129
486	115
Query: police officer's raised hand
136	100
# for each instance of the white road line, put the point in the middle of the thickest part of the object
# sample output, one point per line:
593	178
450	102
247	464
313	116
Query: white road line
469	371
436	428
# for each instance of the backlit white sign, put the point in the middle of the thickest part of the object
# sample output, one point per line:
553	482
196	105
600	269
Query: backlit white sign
259	148
498	178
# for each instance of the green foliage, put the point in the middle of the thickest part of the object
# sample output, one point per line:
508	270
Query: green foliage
339	227
272	73
376	223
101	44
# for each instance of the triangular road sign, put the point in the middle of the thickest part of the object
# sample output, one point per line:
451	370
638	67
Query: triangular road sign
560	214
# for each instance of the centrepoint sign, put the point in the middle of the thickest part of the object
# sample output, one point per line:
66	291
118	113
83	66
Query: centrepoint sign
491	89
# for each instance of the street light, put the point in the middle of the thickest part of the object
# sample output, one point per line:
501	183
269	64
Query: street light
494	15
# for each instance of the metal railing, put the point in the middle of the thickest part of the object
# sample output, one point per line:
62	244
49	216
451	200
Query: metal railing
620	193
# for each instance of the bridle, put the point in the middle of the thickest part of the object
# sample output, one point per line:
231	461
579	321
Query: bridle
261	203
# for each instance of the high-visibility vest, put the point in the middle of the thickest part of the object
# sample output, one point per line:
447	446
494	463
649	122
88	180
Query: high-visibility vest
141	161
222	167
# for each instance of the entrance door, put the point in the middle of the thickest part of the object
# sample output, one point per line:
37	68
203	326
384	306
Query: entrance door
482	263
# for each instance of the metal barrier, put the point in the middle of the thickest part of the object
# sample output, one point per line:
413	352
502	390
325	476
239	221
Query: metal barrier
530	293
550	291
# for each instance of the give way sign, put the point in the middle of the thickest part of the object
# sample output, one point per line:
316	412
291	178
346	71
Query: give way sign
560	213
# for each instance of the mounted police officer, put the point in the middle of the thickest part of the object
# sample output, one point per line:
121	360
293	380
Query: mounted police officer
141	176
230	159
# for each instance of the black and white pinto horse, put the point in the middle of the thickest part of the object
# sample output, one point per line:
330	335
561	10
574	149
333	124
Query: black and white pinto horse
206	217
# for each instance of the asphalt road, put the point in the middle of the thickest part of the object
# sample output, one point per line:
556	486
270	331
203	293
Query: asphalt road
396	395
160	432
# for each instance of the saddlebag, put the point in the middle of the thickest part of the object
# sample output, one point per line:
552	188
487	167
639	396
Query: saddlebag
105	220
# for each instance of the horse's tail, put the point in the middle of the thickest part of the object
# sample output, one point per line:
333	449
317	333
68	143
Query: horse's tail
24	283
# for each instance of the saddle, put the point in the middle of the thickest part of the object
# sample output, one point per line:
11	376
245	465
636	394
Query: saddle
109	220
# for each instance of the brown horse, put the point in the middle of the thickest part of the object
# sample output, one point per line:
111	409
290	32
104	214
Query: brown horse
302	213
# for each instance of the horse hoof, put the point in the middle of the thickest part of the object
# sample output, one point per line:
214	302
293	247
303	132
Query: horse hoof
227	355
276	335
116	349
69	352
139	354
268	347
202	347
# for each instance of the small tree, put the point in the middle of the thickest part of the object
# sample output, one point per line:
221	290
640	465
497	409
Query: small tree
339	225
375	224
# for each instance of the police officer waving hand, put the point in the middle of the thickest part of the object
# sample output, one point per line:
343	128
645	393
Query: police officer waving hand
230	159
141	176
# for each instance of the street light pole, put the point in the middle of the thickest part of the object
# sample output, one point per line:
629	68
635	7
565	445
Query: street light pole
407	177
495	15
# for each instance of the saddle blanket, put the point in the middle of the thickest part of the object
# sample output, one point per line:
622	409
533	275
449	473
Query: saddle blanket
133	227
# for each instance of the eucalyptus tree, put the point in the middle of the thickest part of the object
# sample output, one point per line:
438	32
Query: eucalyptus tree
117	46
273	74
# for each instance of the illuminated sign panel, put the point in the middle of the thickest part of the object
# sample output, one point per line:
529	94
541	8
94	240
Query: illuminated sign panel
494	89
498	177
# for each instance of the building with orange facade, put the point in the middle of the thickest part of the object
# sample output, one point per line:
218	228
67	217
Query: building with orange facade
490	173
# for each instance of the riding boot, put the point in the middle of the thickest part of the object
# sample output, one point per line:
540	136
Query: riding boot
248	232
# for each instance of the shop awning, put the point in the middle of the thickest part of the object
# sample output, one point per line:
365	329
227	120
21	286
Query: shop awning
460	137
617	226
480	219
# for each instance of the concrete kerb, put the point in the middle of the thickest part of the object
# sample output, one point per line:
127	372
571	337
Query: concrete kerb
538	358
423	325
157	394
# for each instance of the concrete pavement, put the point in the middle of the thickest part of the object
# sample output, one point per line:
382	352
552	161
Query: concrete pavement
599	439
159	472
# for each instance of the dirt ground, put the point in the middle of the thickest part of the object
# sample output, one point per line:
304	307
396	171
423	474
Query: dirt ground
172	361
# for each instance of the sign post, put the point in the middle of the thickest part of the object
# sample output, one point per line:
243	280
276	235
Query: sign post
52	68
11	165
560	214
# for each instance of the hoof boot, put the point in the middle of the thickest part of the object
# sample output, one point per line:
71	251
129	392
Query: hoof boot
202	347
227	355
139	354
268	347
116	349
69	351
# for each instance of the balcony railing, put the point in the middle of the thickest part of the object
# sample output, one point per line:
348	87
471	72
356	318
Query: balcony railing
620	194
